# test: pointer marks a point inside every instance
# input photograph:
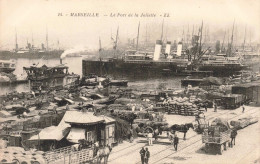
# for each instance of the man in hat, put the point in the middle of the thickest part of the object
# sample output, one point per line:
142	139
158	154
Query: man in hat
175	142
142	154
146	156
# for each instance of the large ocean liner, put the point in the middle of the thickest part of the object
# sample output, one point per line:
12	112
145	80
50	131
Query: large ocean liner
164	61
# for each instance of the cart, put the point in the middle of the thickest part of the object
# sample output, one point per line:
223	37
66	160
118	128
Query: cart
216	142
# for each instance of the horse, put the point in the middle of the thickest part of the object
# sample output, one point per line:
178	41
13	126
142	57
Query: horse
103	152
181	128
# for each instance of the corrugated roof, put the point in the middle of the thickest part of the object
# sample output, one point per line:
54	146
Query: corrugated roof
78	117
107	119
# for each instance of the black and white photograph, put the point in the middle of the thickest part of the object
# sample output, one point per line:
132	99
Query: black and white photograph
129	82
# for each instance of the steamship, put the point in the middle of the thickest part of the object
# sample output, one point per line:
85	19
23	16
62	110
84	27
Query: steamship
30	51
138	64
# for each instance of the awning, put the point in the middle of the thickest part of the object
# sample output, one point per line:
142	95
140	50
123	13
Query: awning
76	134
51	133
78	117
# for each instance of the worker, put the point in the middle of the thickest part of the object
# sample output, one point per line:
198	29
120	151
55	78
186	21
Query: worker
206	107
146	156
150	139
142	153
67	106
233	136
243	108
215	106
175	142
40	89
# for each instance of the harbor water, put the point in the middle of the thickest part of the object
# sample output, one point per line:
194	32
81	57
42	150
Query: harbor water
75	66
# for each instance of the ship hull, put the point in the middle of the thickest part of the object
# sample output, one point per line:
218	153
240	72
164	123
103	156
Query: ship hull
6	55
222	70
132	69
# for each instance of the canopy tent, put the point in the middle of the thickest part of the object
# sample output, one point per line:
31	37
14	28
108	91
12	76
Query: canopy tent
51	133
76	134
78	117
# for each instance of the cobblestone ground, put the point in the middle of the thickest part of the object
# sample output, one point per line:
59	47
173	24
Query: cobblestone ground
246	150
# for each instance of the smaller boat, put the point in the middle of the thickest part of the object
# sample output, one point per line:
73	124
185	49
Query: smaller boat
7	66
118	82
44	72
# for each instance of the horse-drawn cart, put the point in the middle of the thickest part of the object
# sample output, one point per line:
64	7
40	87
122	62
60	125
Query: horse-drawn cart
216	137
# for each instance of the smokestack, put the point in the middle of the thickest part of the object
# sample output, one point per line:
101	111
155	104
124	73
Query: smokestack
179	49
168	48
60	60
157	50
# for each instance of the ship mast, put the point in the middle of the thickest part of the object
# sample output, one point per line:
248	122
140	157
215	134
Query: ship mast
231	42
47	46
137	37
100	48
16	44
146	36
192	31
32	39
244	41
223	41
200	37
188	36
117	36
162	30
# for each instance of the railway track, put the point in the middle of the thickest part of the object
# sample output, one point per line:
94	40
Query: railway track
189	145
184	144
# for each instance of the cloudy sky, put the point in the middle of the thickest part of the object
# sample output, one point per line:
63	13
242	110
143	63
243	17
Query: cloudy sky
33	16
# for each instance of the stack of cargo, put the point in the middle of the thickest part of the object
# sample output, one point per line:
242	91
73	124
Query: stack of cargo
183	106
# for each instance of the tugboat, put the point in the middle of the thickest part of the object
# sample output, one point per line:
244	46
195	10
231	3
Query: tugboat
7	66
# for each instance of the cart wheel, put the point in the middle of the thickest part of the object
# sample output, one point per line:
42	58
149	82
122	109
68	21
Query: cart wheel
206	148
225	146
221	149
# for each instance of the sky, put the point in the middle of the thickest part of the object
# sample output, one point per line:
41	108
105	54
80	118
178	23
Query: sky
35	17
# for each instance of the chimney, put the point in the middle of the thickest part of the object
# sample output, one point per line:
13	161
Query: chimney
179	49
157	50
168	48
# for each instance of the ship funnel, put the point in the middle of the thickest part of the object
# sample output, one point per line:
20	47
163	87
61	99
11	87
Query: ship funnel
157	50
179	49
168	48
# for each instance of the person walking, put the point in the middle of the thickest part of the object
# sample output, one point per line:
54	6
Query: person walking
206	107
233	136
146	156
67	106
142	154
150	139
131	138
175	142
243	108
215	107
